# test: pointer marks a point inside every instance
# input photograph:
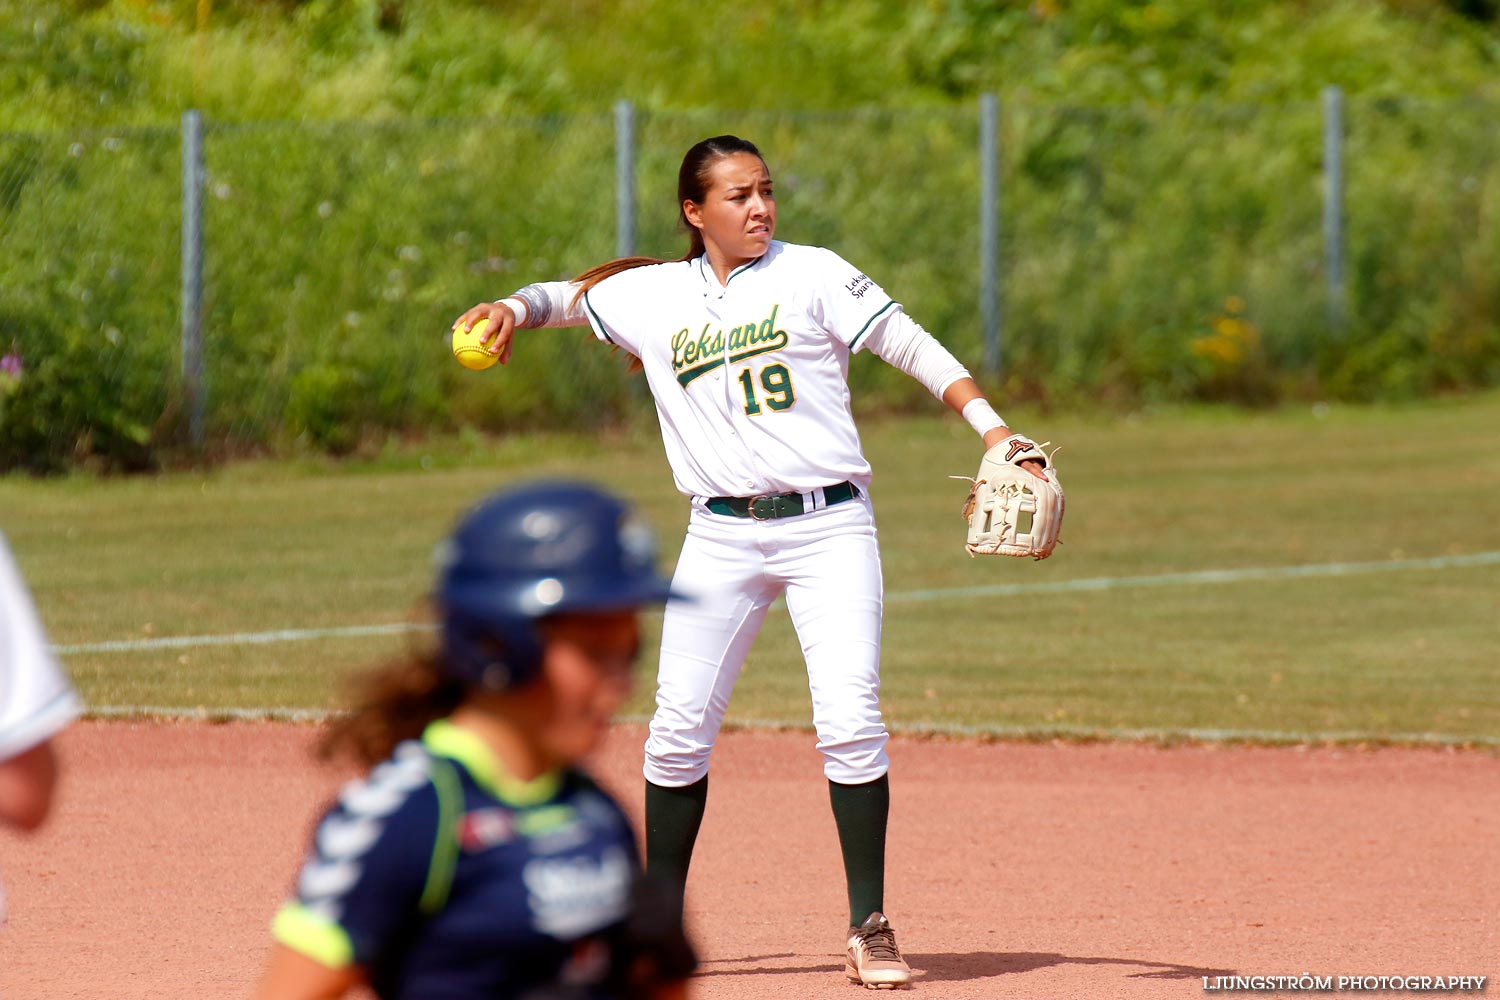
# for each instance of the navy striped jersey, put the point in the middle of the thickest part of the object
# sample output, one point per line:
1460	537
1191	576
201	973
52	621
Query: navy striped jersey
443	877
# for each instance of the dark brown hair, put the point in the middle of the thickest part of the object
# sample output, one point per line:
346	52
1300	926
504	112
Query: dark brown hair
392	703
396	701
692	185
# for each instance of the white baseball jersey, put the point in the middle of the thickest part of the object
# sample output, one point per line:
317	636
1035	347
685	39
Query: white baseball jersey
36	700
749	377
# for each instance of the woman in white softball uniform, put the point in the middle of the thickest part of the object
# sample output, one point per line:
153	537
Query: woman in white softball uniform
745	343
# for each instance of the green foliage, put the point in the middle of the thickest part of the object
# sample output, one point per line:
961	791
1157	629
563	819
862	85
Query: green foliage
87	288
337	255
353	248
71	64
1161	199
78	396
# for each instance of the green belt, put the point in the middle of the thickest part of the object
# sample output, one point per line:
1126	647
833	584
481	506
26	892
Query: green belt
772	505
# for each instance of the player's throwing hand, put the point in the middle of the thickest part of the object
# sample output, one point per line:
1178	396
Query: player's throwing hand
502	328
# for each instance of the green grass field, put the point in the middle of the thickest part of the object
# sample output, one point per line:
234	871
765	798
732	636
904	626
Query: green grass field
1287	575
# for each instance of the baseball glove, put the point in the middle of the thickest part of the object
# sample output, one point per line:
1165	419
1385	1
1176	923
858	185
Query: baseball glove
1011	511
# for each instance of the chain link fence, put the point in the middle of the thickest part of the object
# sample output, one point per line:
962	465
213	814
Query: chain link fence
88	300
1166	253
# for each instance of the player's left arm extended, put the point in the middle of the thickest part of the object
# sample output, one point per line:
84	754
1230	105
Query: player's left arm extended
902	342
965	399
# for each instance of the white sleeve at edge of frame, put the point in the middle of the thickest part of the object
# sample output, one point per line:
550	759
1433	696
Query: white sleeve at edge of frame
901	342
36	698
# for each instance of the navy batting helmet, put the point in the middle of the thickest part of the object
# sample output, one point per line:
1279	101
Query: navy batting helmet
529	552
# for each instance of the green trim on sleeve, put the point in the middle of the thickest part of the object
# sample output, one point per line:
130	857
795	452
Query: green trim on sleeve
872	319
598	323
313	935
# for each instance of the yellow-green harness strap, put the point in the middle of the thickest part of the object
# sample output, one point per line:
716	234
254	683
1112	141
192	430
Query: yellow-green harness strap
450	798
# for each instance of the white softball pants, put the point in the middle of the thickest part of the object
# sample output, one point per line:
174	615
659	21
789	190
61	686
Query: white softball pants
827	564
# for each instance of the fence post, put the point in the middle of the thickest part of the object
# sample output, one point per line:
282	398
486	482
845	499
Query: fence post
192	274
1333	205
989	231
624	179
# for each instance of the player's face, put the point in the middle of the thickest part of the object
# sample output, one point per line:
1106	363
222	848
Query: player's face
737	216
587	665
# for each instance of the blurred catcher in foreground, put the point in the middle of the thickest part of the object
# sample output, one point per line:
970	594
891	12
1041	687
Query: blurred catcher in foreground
475	859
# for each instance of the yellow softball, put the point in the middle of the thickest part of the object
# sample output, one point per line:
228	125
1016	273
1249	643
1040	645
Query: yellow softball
469	348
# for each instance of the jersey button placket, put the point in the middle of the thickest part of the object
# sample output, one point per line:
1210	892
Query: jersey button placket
733	407
737	414
721	374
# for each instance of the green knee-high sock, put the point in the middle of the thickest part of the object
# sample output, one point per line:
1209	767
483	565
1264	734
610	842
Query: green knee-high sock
673	816
860	813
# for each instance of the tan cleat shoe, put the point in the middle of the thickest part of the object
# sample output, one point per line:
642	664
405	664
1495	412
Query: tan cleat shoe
873	959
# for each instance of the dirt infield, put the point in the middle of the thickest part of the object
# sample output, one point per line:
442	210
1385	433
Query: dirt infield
1016	870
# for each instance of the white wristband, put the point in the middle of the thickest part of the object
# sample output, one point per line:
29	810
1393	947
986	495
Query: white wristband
517	306
981	415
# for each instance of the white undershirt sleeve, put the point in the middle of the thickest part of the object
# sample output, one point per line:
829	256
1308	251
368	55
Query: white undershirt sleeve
547	304
901	342
36	698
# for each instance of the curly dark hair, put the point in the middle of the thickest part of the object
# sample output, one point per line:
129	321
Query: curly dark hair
391	703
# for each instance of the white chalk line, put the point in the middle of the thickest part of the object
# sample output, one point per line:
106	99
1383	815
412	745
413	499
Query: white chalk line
1021	733
916	729
1201	576
1094	584
238	638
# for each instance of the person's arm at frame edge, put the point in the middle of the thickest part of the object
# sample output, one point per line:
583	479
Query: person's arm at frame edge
27	783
